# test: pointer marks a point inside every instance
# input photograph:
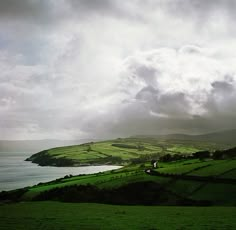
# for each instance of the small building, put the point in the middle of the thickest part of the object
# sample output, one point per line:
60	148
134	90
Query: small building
154	163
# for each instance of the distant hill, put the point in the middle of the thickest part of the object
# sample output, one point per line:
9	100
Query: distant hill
223	137
36	145
227	137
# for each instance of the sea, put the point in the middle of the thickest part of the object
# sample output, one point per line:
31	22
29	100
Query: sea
16	173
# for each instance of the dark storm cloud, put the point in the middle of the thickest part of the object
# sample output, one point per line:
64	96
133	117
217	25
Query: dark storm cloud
25	10
106	8
61	60
147	73
200	10
48	8
138	121
166	104
221	101
55	11
223	87
148	93
51	11
84	6
174	104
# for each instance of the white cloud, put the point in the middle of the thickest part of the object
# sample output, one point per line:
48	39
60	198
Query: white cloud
75	69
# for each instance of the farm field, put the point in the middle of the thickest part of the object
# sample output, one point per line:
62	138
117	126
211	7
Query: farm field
216	168
196	167
111	179
55	215
187	184
182	194
120	151
221	193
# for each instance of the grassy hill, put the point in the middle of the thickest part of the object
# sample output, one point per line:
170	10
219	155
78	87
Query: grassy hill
226	137
183	182
121	151
189	171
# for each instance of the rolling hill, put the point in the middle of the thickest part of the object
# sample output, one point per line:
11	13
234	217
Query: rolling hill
185	182
122	151
227	137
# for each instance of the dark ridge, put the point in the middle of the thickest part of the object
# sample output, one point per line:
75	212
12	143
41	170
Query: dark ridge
224	137
140	193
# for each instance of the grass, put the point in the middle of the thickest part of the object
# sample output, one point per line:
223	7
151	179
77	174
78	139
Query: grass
216	168
101	180
231	174
54	215
219	193
184	188
182	167
122	150
183	149
135	173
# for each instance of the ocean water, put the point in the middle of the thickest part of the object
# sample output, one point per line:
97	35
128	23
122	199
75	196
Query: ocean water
15	172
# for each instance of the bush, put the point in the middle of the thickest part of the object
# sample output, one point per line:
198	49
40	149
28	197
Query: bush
202	154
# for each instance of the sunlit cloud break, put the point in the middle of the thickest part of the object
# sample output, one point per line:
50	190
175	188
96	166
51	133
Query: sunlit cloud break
103	69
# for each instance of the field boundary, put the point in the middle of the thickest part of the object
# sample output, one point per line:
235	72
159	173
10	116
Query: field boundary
210	179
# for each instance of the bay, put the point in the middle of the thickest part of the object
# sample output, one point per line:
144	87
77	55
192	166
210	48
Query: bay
16	173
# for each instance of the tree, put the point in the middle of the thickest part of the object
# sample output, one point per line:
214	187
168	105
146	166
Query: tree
166	158
202	154
89	148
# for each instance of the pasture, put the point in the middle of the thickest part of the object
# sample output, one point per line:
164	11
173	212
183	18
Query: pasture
55	215
120	151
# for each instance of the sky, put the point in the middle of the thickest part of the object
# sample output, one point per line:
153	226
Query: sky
74	69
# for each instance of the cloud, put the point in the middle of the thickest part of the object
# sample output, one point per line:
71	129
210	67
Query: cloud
202	10
220	102
86	8
190	89
37	11
78	69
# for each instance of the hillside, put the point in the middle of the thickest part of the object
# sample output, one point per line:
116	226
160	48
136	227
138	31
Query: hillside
227	137
118	151
137	196
194	181
122	151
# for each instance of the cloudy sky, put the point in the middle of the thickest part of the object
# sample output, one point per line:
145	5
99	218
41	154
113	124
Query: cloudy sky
74	69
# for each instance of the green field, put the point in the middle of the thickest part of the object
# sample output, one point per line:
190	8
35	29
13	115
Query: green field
54	215
217	192
96	199
120	151
183	167
216	168
112	179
